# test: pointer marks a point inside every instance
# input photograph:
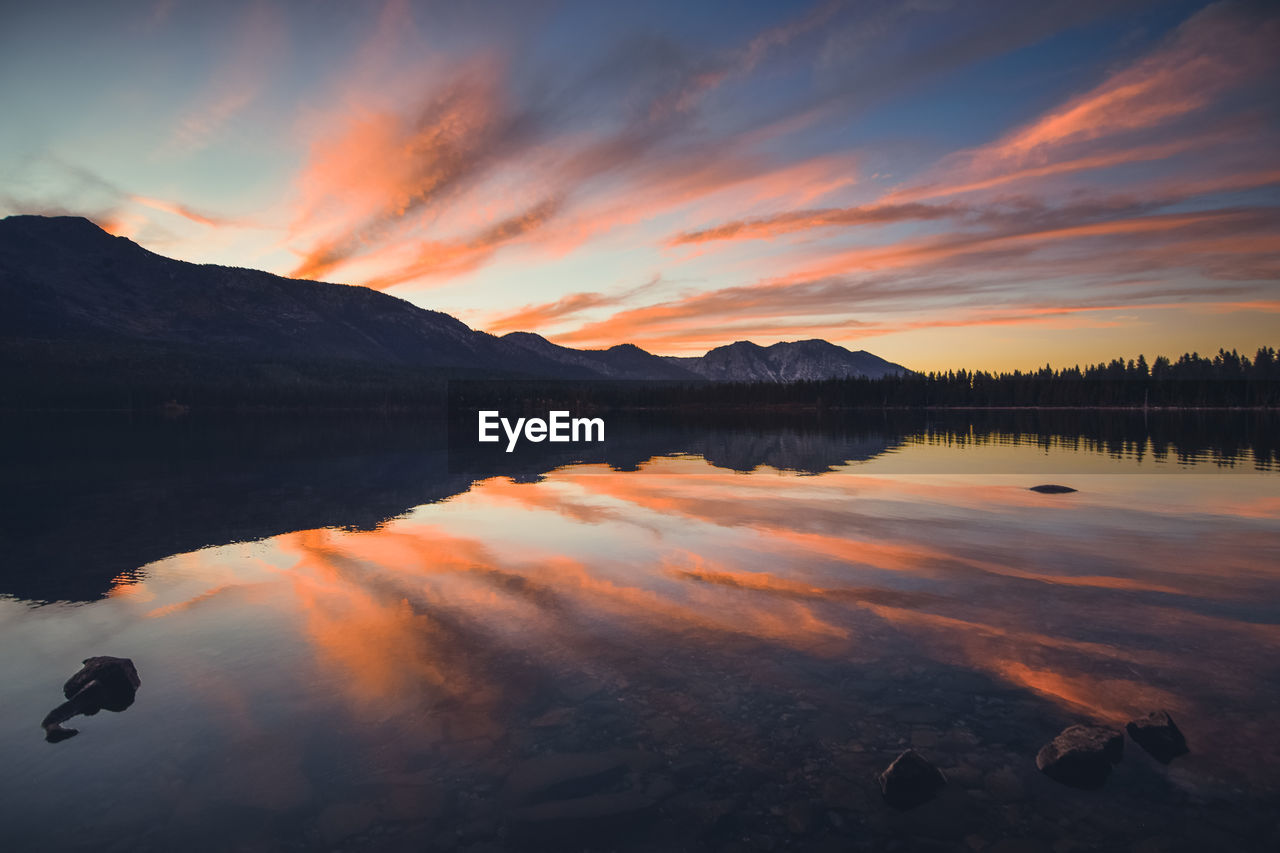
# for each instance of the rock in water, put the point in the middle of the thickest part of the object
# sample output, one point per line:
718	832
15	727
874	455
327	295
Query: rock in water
1158	735
118	676
1052	489
1081	756
103	682
910	780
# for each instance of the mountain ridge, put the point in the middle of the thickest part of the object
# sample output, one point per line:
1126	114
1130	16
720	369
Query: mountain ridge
71	291
788	361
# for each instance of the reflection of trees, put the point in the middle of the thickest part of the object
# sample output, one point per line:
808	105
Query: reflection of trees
1224	438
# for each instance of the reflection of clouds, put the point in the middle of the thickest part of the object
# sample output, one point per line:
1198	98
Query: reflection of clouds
240	593
384	644
546	497
940	528
447	621
1262	507
1070	672
389	620
994	557
1016	655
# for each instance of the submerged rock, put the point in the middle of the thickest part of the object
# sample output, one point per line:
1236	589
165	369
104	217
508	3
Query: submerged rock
1052	489
566	795
1158	735
1081	756
103	682
910	780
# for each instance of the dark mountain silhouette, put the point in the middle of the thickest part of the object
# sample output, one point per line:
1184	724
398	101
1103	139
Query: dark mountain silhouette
65	278
739	362
96	319
624	361
787	362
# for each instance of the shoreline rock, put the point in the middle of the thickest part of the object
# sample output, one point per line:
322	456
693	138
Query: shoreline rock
103	682
1158	735
1081	756
910	780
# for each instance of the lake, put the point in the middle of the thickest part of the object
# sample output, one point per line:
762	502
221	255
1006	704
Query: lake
352	634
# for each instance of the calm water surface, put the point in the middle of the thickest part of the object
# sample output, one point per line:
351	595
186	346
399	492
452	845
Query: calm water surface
703	639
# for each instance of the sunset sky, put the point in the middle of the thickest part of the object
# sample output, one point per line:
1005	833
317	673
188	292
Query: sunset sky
944	183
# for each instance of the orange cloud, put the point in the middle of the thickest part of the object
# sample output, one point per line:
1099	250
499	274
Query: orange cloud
235	84
182	210
786	223
445	258
380	176
1083	163
1214	50
381	167
539	316
909	271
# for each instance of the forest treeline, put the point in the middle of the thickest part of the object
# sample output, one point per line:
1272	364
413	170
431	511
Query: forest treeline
1225	380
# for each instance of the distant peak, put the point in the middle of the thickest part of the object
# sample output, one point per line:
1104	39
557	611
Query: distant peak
37	220
809	344
59	227
739	345
750	346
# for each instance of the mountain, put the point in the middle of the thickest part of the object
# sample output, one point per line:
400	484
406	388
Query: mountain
787	362
93	319
63	278
624	361
739	362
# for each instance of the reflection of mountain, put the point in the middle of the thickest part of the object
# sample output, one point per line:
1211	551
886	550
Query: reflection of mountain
781	444
90	504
